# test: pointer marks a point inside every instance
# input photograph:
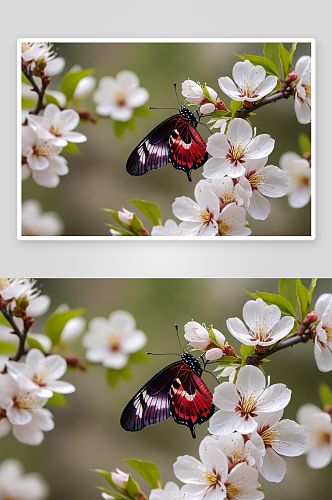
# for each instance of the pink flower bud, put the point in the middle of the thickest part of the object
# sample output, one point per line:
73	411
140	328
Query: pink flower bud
120	478
213	354
291	77
311	317
125	216
207	108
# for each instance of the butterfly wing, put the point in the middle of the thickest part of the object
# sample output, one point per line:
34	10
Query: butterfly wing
191	402
187	149
150	405
152	152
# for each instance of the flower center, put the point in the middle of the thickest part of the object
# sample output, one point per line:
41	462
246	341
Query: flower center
114	342
255	179
260	333
120	96
236	152
269	436
205	217
58	126
303	180
324	437
248	403
45	150
25	46
307	89
233	491
223	228
212	478
29	402
328	330
3	283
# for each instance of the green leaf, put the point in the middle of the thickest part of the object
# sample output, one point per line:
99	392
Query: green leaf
304	143
3	320
302	297
247	350
150	210
27	103
34	344
56	323
270	298
213	337
137	225
261	61
57	399
25	80
139	358
119	128
220	113
113	376
284	58
131	124
50	99
71	80
207	94
235	105
325	394
291	54
311	290
108	477
71	148
142	111
271	52
7	348
287	289
228	361
133	489
147	470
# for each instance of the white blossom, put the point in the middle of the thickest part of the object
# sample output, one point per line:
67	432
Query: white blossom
56	126
118	97
323	304
200	217
42	158
35	222
111	341
323	341
40	374
225	189
298	172
274	437
198	336
120	478
241	403
194	94
258	181
170	228
125	216
171	491
264	324
15	485
231	151
85	86
303	90
24	411
252	83
18	288
232	221
234	448
204	479
318	426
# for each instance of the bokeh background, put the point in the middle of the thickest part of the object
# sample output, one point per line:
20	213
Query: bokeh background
98	179
87	433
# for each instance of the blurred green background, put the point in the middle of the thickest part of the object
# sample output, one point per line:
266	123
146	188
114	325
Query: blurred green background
98	179
88	435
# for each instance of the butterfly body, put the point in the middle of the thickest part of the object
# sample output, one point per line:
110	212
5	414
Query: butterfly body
177	391
174	141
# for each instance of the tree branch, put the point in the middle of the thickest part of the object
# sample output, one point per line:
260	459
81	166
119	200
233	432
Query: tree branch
300	336
39	91
22	335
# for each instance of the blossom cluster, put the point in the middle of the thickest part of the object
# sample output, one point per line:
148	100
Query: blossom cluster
24	391
237	175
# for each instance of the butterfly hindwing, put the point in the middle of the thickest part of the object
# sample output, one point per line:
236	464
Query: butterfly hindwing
152	152
150	404
187	149
190	399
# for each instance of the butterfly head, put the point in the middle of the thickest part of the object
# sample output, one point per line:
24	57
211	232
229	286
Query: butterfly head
192	362
188	115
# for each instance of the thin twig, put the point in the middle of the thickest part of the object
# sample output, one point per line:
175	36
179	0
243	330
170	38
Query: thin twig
244	112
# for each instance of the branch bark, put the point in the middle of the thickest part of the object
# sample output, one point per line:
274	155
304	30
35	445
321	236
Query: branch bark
244	112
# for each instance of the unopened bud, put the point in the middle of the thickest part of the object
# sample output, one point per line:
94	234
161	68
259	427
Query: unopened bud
18	312
228	350
37	71
220	105
28	321
311	317
291	77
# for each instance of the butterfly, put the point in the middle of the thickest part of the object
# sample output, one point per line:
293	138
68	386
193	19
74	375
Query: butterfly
174	141
177	391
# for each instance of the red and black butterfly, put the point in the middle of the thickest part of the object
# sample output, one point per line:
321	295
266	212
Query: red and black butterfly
177	391
174	141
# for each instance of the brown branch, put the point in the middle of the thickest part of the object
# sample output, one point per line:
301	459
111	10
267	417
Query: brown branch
39	91
22	335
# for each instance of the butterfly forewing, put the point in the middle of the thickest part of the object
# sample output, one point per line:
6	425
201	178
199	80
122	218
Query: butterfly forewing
150	404
152	152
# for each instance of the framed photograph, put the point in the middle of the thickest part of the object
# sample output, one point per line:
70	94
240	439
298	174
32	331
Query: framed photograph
179	138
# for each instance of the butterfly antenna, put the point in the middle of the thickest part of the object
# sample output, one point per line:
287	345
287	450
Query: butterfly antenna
177	334
150	107
162	354
176	93
207	371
